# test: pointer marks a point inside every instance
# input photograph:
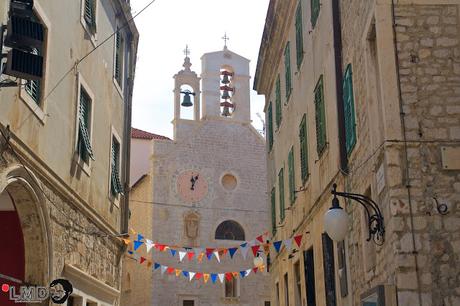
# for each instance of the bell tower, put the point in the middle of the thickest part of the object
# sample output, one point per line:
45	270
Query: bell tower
187	87
225	82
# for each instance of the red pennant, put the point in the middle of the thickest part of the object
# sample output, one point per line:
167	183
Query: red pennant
143	259
260	238
229	276
209	251
162	247
198	275
170	270
298	240
190	255
255	248
255	269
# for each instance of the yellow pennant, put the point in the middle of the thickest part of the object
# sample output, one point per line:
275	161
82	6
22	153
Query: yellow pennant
206	277
126	241
235	274
262	268
200	257
178	271
267	248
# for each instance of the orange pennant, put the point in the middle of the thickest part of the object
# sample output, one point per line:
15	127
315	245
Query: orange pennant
267	249
235	274
178	271
205	277
262	268
200	257
126	241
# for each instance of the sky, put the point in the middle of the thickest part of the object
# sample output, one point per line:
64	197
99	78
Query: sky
166	27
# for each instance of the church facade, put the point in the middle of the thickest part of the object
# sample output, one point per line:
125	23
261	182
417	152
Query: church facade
209	189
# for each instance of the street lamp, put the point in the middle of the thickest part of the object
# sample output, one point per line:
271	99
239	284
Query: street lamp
336	219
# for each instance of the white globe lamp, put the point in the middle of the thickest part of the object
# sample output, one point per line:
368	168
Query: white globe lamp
336	221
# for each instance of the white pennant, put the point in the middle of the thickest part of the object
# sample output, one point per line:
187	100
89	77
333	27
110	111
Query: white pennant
149	244
163	269
191	275
216	253
221	277
248	271
288	244
244	251
181	255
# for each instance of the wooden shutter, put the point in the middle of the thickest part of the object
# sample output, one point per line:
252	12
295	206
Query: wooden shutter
287	67
279	115
342	268
320	117
118	57
291	176
309	266
303	149
116	186
281	191
299	35
329	270
84	143
270	127
315	8
349	110
273	208
33	87
90	14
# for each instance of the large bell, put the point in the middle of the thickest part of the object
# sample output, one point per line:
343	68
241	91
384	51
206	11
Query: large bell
225	95
187	102
225	79
226	111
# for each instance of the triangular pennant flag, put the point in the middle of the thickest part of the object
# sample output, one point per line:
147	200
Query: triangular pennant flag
133	232
235	274
243	274
173	252
221	277
209	256
255	269
216	253
243	245
205	277
140	237
198	275
255	249
213	278
130	252
181	255
298	239
143	259
162	247
277	245
185	273
149	263
178	271
267	249
248	271
148	244
200	257
232	251
288	244
156	266
209	251
261	268
191	275
170	270
244	250
137	244
126	241
163	269
229	276
260	238
190	255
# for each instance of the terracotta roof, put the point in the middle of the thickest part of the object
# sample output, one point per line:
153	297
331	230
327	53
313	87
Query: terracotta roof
140	134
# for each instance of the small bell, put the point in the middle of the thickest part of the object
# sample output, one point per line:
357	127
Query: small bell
225	79
187	102
225	95
226	111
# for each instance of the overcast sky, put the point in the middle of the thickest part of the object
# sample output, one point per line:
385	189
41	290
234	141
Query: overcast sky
166	27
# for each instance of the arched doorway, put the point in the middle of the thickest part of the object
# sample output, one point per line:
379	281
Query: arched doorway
25	255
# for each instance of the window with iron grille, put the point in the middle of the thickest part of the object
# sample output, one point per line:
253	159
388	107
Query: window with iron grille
315	8
270	127
292	194
119	54
281	191
89	14
116	187
299	35
33	87
303	149
229	230
273	208
279	115
84	148
287	67
320	117
349	110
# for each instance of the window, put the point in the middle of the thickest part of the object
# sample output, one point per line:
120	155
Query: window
309	269
279	115
267	303
188	303
286	289
315	8
329	270
281	191
287	67
89	15
116	187
298	284
231	289
119	58
273	207
303	149
292	195
320	117
349	110
298	35
270	127
84	149
229	230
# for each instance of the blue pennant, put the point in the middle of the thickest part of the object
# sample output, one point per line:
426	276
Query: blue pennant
185	273
140	237
277	245
137	244
213	278
243	274
209	255
243	245
130	252
232	251
173	252
156	266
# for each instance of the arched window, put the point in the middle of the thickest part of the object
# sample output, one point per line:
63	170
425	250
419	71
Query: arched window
229	230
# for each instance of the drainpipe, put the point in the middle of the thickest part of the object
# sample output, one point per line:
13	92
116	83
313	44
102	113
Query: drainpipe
337	28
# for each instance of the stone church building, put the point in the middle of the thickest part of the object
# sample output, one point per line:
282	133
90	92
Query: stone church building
209	186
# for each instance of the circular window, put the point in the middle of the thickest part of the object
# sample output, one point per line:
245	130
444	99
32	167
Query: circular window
229	182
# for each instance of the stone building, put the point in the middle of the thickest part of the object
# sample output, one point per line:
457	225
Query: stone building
364	94
63	146
209	186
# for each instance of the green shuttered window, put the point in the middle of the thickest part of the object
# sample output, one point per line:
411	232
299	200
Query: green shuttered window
270	127
320	116
90	14
279	115
281	191
292	194
84	138
315	8
115	183
287	67
303	149
349	110
273	208
118	57
298	35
